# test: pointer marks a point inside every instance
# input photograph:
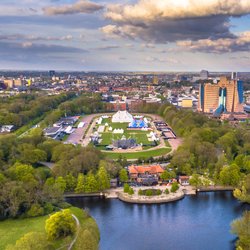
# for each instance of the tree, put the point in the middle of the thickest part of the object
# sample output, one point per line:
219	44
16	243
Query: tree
80	187
131	191
166	191
230	175
243	194
91	183
241	227
149	192
165	175
174	187
31	241
195	180
126	188
60	224
70	182
103	178
86	241
61	183
123	175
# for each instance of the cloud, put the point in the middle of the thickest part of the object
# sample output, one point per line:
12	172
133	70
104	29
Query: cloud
108	47
164	21
219	46
82	6
16	37
161	60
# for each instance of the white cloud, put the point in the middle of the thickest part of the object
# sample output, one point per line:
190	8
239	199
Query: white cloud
82	6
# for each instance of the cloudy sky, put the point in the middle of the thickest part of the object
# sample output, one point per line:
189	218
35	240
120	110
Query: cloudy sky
111	35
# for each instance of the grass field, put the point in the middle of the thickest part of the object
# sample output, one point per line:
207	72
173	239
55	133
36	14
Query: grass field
136	155
107	137
13	229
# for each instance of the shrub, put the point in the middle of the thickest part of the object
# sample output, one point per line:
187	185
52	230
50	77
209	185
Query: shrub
149	192
48	208
35	210
140	192
131	191
60	224
158	192
126	188
166	191
174	187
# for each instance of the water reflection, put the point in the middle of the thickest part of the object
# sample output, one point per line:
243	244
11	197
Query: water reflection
199	222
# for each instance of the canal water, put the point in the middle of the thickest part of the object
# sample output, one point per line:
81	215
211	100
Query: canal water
200	222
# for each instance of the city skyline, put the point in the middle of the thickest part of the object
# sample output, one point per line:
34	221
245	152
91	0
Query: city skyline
184	35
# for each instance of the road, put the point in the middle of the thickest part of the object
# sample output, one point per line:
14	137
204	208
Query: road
77	135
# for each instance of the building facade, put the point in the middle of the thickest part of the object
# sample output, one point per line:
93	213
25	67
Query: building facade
223	97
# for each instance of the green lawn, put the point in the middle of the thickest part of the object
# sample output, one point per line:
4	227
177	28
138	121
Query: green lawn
11	230
136	155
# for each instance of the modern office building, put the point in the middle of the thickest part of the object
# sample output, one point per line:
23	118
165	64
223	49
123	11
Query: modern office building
226	96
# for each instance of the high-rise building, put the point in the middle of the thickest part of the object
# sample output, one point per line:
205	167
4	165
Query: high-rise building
226	96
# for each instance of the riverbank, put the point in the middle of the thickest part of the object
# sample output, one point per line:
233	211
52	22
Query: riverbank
163	198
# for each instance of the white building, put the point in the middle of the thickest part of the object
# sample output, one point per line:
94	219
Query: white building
122	116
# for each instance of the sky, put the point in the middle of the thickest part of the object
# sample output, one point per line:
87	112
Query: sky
125	35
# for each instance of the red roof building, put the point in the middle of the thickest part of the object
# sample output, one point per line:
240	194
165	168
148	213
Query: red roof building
139	171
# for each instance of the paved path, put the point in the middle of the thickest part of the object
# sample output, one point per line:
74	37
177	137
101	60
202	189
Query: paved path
77	232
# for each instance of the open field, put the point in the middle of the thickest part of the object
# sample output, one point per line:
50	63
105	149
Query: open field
136	155
107	137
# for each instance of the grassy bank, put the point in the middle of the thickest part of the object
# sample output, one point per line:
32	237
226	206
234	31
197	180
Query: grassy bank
136	155
13	229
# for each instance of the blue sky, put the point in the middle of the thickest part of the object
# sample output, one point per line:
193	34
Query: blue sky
137	35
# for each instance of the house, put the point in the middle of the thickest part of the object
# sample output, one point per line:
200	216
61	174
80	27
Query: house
184	180
144	172
53	132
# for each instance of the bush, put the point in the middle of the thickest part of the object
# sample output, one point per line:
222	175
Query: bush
166	191
149	192
60	224
131	191
126	188
64	205
35	210
48	208
140	192
158	192
174	187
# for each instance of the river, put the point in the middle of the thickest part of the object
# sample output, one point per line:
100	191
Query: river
200	222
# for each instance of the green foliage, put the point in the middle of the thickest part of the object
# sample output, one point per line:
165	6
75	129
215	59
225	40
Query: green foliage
91	184
80	187
140	192
123	175
131	191
174	187
60	224
230	175
158	192
31	241
243	194
149	192
86	241
35	210
103	178
166	175
195	180
241	227
166	191
126	188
